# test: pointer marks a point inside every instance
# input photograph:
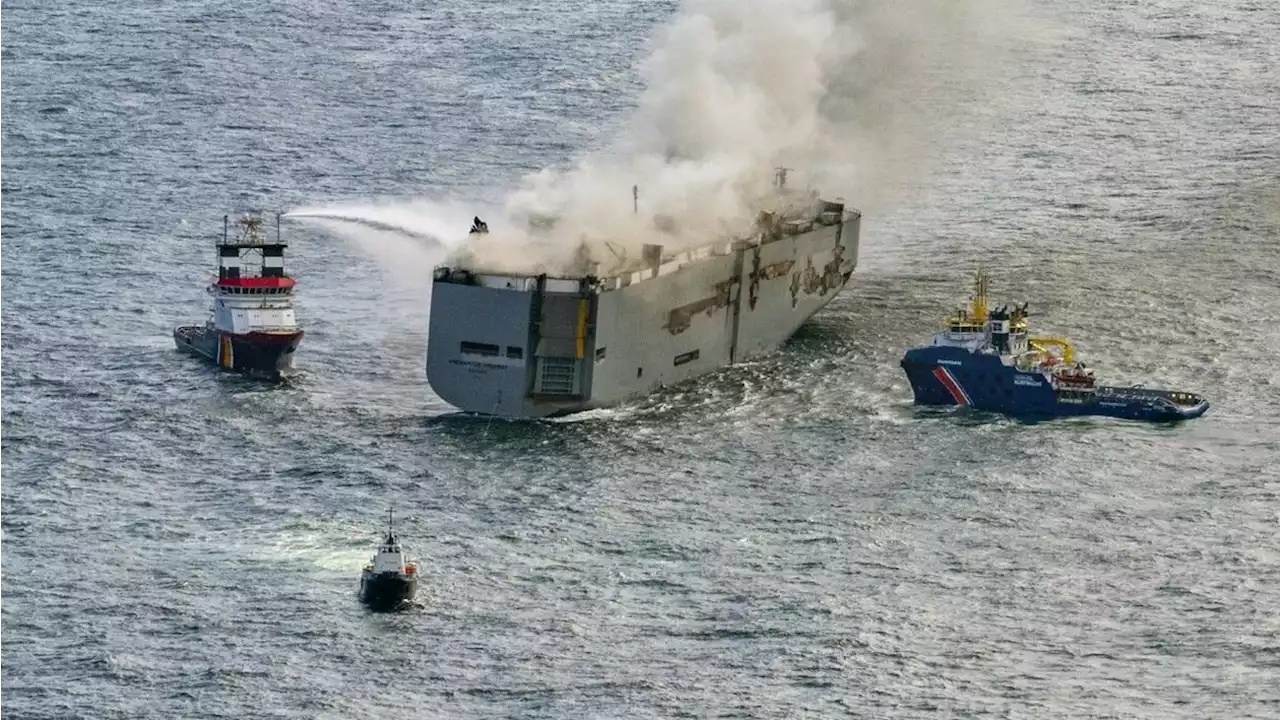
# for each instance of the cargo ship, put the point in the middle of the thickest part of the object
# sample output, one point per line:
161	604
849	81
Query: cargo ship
538	345
987	359
252	329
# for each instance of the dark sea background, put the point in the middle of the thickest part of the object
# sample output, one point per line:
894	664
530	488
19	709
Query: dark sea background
786	538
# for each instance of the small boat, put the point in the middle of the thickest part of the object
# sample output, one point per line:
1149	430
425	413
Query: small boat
390	581
252	329
988	360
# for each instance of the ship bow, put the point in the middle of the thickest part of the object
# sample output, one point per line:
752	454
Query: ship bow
268	353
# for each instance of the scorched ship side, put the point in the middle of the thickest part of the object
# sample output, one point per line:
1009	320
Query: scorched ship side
535	346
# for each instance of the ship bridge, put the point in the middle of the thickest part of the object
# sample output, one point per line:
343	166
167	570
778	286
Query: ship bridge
252	292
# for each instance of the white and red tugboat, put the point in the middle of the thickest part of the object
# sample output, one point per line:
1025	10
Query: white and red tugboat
253	329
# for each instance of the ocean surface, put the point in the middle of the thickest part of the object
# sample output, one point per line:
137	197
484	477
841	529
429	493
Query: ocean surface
787	538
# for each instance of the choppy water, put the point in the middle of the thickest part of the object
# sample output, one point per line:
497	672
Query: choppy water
787	538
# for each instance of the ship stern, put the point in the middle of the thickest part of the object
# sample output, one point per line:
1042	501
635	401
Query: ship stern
388	591
510	346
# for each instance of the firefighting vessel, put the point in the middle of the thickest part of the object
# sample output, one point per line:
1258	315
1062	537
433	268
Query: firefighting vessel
535	345
252	329
389	581
987	359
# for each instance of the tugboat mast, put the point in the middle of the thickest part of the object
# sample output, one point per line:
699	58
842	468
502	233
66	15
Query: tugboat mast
979	300
253	327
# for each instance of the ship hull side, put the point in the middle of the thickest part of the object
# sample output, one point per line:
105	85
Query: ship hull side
664	330
797	277
642	327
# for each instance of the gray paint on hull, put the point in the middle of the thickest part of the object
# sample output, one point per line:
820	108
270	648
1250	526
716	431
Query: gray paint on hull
660	331
494	385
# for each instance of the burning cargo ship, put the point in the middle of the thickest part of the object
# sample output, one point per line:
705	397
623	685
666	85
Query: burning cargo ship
537	345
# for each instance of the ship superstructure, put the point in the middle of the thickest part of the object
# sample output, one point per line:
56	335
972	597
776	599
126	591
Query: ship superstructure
989	360
252	327
534	345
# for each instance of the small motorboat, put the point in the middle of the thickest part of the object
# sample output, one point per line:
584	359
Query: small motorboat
390	581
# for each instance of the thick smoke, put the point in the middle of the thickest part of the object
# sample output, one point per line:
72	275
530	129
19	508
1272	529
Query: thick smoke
855	95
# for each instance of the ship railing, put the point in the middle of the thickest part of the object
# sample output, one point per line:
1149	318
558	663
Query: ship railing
1124	394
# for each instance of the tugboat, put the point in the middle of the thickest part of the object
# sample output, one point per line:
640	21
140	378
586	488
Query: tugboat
253	329
987	360
389	581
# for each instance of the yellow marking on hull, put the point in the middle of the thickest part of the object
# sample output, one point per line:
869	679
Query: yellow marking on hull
226	358
582	327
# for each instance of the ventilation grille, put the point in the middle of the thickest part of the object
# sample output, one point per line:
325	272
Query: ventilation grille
556	375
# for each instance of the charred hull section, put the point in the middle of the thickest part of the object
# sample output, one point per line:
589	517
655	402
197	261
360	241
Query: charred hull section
254	353
387	591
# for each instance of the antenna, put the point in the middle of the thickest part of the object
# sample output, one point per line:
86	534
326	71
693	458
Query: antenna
226	224
635	199
277	227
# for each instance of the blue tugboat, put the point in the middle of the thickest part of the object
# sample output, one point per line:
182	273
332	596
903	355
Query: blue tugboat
987	360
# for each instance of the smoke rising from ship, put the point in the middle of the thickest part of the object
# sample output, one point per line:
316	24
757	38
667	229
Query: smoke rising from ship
856	96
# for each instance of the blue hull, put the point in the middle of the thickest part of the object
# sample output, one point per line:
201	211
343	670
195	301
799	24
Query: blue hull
942	375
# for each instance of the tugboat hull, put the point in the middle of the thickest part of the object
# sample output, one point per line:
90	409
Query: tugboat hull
954	376
384	592
254	353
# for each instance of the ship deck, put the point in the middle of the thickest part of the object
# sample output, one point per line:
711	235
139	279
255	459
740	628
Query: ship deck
636	271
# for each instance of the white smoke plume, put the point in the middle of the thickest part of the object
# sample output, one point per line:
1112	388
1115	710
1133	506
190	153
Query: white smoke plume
855	95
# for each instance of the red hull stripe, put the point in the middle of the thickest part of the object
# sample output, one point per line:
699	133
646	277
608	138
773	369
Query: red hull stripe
949	382
257	282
